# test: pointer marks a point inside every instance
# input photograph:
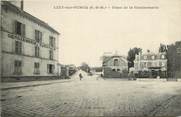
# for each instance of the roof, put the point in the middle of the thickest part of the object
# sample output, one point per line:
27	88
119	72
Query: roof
107	58
150	54
29	16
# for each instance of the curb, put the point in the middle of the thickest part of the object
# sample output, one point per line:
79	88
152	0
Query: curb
33	85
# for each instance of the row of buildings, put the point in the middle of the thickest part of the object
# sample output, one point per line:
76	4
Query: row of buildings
149	64
29	46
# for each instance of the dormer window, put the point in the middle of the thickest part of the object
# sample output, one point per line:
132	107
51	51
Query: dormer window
116	62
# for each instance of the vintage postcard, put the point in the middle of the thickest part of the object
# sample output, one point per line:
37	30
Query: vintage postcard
90	58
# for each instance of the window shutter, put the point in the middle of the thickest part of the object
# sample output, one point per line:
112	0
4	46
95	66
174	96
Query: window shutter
53	67
23	30
39	51
21	48
49	40
35	50
38	65
15	66
35	65
54	42
40	36
13	46
15	63
36	35
16	47
15	27
47	68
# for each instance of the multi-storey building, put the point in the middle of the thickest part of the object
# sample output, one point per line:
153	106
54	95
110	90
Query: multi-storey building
154	64
29	46
114	65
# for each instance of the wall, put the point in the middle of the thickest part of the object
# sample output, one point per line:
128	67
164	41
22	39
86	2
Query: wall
111	71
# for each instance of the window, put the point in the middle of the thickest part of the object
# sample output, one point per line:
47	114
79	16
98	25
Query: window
36	68
50	68
37	51
17	67
118	69
19	28
38	36
153	57
145	57
162	64
116	62
18	47
51	54
149	64
52	41
163	56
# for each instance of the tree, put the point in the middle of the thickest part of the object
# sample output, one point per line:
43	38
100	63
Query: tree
131	56
162	48
85	67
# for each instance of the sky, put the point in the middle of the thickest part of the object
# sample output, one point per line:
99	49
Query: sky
85	34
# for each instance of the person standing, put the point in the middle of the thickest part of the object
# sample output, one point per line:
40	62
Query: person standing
80	76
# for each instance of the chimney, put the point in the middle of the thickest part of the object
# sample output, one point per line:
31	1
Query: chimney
17	3
22	5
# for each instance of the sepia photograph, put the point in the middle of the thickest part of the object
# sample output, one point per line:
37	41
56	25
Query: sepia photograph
90	58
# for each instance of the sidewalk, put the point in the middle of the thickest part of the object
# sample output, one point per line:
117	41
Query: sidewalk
15	85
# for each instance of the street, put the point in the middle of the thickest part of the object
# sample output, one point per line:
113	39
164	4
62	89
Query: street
94	96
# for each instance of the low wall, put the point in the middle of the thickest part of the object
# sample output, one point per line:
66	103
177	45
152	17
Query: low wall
160	79
151	79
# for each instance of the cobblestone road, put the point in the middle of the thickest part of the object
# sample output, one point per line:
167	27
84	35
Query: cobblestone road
94	97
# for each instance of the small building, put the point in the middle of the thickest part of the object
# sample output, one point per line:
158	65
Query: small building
29	46
114	66
65	71
71	69
150	64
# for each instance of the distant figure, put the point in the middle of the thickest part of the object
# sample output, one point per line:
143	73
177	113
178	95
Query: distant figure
158	77
131	76
80	76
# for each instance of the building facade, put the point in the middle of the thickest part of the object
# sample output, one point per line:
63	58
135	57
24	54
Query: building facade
150	64
114	66
29	45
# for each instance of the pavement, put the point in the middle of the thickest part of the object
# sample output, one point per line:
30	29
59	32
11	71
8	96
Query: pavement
15	85
93	96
